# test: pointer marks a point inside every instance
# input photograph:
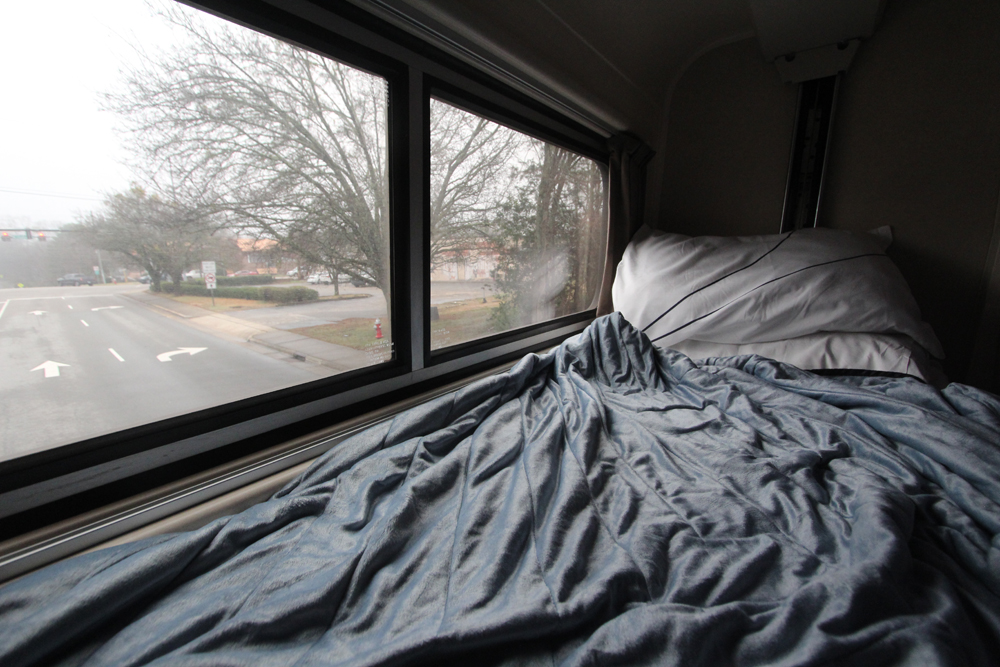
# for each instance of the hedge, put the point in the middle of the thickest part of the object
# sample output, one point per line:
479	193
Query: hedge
274	294
226	281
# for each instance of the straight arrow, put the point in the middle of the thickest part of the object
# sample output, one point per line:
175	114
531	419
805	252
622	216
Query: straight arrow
181	350
51	368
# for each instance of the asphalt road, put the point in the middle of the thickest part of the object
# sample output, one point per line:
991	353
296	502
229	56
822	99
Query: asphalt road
77	362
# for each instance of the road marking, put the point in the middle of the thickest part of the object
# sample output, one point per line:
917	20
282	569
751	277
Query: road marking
69	306
51	368
4	307
181	350
107	307
92	295
117	356
36	312
85	323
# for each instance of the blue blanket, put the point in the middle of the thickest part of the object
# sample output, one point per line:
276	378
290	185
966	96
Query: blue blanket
606	503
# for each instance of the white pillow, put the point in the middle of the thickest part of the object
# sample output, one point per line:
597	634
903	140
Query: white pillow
833	351
753	289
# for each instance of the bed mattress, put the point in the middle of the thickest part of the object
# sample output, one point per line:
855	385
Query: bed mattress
606	503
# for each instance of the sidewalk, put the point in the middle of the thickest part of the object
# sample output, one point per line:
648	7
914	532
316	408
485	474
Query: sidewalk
338	357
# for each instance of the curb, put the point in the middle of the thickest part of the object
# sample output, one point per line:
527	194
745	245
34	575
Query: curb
296	355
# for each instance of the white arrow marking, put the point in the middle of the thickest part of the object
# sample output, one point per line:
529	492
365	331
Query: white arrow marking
85	323
36	312
107	307
51	368
117	356
181	350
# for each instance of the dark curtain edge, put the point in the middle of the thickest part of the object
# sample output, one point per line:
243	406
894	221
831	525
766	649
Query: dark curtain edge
629	156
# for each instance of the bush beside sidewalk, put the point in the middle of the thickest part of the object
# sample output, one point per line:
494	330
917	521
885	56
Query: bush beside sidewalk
272	294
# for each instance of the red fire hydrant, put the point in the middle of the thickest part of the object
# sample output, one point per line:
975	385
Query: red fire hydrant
378	328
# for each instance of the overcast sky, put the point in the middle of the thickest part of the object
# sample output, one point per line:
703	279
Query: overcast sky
56	59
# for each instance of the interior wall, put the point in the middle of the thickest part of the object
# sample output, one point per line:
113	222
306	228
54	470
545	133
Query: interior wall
727	146
915	145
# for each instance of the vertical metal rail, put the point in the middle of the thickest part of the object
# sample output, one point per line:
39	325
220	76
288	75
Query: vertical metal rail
817	105
419	147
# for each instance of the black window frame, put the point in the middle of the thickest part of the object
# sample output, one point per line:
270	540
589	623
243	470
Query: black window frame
57	484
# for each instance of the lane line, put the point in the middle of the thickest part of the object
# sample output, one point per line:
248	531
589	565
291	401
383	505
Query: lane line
78	296
69	306
4	307
117	356
85	323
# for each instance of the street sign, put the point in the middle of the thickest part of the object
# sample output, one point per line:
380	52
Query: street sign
97	270
209	280
207	267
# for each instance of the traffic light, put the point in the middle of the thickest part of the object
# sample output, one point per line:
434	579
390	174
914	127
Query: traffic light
6	236
42	237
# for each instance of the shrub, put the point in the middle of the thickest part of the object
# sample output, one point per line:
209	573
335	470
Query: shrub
289	294
273	294
227	281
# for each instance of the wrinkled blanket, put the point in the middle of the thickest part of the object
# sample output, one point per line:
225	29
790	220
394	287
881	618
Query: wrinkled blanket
605	503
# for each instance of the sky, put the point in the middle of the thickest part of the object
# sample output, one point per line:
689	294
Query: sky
59	153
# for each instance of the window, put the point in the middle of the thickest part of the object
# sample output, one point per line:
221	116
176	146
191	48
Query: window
518	228
231	151
371	233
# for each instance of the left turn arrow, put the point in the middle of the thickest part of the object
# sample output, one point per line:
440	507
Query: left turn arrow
51	368
181	350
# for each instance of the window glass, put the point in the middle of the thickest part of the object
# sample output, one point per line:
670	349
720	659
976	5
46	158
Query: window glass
518	228
165	152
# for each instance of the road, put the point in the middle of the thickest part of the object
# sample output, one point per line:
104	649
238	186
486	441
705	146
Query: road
77	362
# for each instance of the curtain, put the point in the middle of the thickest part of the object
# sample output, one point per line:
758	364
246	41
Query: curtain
626	200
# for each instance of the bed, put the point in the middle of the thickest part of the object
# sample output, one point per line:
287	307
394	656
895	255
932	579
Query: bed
609	502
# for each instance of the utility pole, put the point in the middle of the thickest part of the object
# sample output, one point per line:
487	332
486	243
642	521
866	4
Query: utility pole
104	278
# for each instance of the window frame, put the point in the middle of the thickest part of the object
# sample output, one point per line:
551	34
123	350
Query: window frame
57	484
450	94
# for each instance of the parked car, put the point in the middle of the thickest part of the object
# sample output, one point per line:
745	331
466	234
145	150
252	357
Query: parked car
145	279
75	279
193	274
320	279
362	282
246	272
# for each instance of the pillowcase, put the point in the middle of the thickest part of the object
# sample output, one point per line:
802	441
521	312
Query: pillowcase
753	289
879	353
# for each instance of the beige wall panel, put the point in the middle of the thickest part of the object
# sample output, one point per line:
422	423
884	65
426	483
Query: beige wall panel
916	145
727	147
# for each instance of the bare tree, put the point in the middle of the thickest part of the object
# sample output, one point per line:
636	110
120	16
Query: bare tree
162	237
549	237
292	145
474	164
